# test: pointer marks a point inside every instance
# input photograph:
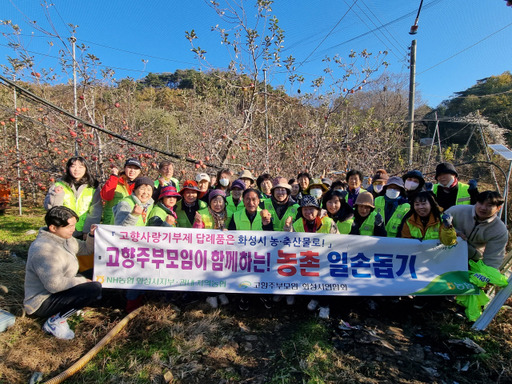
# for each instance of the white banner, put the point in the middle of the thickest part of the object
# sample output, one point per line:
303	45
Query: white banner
182	259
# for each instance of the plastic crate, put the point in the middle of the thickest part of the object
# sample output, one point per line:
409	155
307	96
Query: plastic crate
6	320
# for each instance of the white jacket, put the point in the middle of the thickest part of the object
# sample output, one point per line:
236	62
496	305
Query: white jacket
486	239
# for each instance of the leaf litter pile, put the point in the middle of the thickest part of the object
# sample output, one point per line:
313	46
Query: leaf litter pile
178	338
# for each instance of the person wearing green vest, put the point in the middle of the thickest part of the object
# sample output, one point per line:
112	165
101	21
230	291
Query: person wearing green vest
79	191
215	215
424	221
280	205
338	210
367	222
187	207
311	222
163	214
264	183
118	186
393	205
354	180
252	218
133	210
449	191
165	178
234	201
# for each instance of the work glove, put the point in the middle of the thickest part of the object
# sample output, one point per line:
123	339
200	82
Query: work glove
428	187
472	184
447	220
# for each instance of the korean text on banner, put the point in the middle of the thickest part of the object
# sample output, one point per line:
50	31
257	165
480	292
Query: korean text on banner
182	259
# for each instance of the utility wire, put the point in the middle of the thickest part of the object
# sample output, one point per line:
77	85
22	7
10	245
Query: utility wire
374	31
328	34
399	44
465	49
36	98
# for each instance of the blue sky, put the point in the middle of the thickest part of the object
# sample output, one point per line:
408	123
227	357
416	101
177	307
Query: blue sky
458	41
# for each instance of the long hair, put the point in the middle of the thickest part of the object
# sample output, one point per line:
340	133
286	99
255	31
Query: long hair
86	179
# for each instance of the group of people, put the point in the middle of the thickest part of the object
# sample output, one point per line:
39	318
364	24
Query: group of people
387	206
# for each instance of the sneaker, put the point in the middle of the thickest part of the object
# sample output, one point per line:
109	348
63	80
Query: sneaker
212	300
324	312
58	327
290	300
243	304
266	302
223	299
312	305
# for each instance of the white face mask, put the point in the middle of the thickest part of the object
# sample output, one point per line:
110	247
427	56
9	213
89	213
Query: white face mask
450	182
224	182
411	185
392	193
378	188
316	192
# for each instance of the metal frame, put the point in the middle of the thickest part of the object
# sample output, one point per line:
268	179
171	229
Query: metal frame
499	299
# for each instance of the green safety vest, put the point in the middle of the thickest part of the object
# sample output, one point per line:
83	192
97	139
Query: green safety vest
207	218
140	221
242	222
345	226
157	211
174	180
120	193
360	190
431	234
230	206
183	221
463	197
395	220
80	206
208	221
367	228
327	222
277	222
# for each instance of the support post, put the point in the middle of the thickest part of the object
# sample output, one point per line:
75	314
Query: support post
412	93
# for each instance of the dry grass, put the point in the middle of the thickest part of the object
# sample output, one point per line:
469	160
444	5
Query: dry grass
195	344
12	277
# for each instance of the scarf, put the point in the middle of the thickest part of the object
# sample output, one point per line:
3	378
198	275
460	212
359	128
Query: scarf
219	218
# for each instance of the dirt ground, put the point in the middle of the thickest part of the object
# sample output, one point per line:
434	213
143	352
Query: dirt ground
374	340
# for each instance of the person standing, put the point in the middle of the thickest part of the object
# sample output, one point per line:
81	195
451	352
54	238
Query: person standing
449	191
393	206
234	201
354	179
119	186
187	207
280	205
79	191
